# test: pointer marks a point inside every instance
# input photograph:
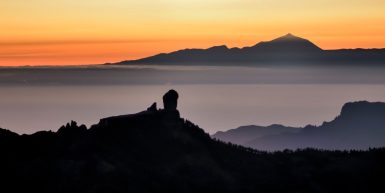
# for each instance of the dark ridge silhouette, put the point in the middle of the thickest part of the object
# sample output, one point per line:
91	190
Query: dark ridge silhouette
360	125
242	135
288	43
288	49
157	151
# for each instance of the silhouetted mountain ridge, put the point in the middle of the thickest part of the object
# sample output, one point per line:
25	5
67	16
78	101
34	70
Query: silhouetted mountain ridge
363	109
244	134
360	125
288	49
288	43
157	151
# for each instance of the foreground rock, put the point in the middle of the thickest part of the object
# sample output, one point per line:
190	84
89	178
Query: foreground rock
157	151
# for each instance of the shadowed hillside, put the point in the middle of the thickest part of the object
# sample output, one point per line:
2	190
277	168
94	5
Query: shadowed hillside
157	151
242	135
361	125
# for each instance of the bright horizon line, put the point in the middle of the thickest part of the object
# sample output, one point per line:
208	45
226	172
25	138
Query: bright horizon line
72	32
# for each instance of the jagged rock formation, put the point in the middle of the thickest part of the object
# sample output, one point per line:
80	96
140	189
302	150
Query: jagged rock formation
170	100
168	115
152	108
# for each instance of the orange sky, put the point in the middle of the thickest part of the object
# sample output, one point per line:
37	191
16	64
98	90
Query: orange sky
68	32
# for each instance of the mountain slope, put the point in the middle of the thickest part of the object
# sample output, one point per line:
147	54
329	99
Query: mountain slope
360	125
157	151
242	135
288	43
288	49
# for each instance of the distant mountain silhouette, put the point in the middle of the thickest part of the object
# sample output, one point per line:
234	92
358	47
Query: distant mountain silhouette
288	49
287	44
361	125
157	151
242	135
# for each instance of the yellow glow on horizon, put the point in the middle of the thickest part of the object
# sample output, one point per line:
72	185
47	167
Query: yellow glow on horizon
44	32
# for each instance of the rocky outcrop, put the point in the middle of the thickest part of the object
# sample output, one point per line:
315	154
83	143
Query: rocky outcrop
169	114
170	100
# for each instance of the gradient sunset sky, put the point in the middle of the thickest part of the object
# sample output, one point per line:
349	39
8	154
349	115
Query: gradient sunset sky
68	32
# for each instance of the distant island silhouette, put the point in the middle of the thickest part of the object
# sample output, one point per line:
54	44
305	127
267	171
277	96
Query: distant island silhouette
286	50
158	151
360	125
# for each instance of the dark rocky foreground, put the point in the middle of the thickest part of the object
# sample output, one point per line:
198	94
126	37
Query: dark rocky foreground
157	151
